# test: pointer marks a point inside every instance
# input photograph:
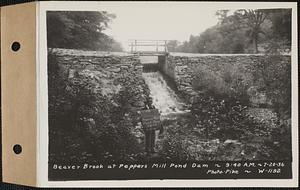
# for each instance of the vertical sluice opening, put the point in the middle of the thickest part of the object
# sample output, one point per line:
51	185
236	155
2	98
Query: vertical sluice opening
147	68
162	93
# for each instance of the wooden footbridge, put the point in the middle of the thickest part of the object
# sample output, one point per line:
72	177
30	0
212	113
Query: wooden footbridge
148	47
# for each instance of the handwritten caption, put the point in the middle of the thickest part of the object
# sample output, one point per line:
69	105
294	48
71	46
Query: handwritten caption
222	168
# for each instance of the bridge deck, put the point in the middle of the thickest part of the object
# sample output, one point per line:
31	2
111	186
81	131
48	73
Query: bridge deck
150	53
147	47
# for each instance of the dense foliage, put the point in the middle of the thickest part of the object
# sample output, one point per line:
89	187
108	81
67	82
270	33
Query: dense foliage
219	128
243	31
221	118
80	30
230	82
223	125
278	90
86	125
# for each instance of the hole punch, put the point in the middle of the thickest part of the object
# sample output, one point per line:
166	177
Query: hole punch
17	149
15	46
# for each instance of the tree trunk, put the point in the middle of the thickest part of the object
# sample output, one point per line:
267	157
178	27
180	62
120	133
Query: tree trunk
255	45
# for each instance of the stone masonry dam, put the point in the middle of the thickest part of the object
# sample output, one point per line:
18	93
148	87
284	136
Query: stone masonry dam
168	75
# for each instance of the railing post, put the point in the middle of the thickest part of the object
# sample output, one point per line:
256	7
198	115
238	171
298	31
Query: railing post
135	44
156	46
165	45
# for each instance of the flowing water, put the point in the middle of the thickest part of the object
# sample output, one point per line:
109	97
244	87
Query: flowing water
164	98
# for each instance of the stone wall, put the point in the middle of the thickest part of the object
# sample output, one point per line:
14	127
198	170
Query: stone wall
189	69
94	99
115	76
107	70
109	63
167	67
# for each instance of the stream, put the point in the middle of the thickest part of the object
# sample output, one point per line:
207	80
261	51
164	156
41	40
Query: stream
164	97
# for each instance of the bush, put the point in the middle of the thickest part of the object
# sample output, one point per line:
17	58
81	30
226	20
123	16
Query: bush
208	82
222	117
279	146
229	82
174	149
279	90
84	124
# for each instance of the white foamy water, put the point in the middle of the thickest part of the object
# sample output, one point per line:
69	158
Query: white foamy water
164	98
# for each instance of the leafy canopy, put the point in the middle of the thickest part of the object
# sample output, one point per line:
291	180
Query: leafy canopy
243	31
80	30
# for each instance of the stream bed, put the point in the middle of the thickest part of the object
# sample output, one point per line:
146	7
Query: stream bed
163	96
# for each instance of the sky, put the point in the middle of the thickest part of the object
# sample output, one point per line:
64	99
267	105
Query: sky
159	21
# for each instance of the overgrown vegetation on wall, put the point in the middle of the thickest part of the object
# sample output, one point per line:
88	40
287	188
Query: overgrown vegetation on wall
86	124
241	109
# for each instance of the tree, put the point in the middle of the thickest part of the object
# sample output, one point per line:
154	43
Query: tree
281	30
253	19
116	46
222	14
242	31
79	30
172	45
282	23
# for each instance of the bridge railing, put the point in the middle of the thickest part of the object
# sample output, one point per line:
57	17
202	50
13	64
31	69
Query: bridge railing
160	46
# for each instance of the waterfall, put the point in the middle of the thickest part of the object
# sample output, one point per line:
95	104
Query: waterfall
164	98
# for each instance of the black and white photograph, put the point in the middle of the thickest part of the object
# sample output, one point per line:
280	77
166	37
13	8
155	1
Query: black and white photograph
169	91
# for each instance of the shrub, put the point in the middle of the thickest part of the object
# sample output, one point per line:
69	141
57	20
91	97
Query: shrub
174	149
222	117
86	125
279	145
279	90
208	82
229	82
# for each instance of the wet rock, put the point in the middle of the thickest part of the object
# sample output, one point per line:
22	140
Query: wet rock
116	70
139	104
229	141
71	73
90	67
